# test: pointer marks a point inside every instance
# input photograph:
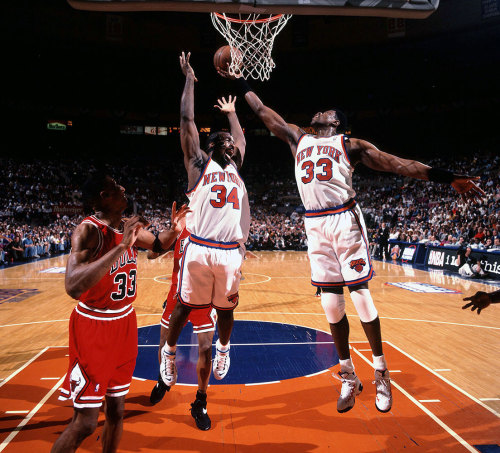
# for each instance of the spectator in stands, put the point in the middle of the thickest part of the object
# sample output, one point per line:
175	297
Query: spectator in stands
15	249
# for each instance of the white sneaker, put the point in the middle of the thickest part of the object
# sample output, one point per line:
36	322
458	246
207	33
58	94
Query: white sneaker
168	369
221	364
351	387
383	400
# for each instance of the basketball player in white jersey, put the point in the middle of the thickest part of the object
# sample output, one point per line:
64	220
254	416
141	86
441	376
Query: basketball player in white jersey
336	233
218	224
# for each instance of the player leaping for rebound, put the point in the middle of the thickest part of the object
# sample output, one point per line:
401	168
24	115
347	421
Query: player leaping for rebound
336	232
203	321
209	274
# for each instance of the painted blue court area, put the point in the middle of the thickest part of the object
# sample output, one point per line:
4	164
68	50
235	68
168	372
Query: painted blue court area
260	352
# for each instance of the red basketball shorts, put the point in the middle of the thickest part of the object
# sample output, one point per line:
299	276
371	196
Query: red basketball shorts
202	319
102	354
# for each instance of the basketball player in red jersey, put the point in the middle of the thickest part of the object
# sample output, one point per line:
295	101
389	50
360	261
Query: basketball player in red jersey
101	274
203	321
335	229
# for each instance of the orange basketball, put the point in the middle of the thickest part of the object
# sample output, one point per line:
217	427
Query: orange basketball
222	57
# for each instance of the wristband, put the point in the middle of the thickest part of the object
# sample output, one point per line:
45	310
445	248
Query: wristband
157	248
439	175
243	86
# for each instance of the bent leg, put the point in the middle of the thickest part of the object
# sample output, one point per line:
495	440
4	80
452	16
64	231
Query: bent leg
82	425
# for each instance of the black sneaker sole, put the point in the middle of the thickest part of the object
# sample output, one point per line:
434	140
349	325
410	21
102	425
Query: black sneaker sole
380	410
203	425
158	393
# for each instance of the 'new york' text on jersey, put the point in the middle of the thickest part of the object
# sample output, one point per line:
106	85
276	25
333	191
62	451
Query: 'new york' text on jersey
219	205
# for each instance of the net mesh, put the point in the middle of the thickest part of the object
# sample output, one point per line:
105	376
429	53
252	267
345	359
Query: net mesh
251	37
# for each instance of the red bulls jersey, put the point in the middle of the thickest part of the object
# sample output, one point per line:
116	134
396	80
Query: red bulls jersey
178	252
323	172
118	287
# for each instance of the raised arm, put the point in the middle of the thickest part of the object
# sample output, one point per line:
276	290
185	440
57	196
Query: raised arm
289	133
194	157
361	151
229	109
81	272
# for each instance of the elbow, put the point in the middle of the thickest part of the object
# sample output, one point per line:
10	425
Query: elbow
73	292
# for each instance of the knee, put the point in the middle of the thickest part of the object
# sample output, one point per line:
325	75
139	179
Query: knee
85	427
115	413
333	305
205	348
365	307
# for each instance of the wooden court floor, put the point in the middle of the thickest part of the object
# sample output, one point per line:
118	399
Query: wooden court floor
444	364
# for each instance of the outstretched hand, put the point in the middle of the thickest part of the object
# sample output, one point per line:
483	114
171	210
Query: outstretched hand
177	216
187	70
467	188
226	106
478	301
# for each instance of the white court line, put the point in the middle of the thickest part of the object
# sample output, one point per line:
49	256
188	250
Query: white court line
262	383
442	369
30	415
365	350
16	412
423	408
489	399
247	344
430	401
50	378
395	371
316	374
23	367
277	313
456	387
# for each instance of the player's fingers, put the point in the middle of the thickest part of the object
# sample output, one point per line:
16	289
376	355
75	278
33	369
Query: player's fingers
224	99
479	310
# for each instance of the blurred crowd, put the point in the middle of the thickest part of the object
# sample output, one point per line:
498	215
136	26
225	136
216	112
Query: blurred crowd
40	205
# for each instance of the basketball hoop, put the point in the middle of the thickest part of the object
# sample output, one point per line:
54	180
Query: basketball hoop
251	37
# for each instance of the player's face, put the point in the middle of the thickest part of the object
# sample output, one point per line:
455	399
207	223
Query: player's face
115	194
324	118
224	147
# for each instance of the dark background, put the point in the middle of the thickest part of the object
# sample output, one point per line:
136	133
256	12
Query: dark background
433	91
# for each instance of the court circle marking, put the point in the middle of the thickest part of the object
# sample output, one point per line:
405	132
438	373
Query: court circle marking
165	282
255	283
168	282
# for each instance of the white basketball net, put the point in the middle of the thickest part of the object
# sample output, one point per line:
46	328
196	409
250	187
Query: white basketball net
251	37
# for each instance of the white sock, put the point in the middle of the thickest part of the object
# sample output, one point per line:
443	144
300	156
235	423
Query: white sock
346	366
379	362
222	348
169	349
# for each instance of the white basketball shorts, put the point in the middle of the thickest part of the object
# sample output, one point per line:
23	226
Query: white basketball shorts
337	246
210	274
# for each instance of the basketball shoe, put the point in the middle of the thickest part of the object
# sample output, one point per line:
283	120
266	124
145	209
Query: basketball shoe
199	412
168	369
383	400
158	391
351	387
221	362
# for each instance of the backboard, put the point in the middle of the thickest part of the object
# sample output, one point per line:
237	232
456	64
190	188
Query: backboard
410	9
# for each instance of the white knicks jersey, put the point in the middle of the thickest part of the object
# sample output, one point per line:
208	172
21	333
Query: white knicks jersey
323	172
219	205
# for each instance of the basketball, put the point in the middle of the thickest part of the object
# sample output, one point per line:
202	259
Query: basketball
222	57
